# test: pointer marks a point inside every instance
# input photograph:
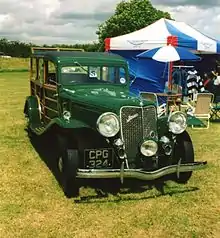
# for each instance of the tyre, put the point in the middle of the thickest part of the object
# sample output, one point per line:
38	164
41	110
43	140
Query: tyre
67	165
30	133
183	151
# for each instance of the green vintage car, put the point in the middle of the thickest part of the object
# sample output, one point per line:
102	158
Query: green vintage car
102	130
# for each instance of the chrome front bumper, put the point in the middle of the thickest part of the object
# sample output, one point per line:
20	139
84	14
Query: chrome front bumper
139	173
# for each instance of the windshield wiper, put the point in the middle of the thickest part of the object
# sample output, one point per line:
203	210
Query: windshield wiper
77	63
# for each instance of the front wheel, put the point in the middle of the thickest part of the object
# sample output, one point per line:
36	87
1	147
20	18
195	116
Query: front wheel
183	153
67	165
30	133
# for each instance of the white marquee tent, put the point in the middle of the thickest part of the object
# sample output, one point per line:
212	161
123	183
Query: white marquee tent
161	33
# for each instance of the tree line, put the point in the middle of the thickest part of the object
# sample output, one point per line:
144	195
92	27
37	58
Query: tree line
22	49
129	16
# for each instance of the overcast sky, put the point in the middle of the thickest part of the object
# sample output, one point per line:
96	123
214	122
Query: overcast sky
69	21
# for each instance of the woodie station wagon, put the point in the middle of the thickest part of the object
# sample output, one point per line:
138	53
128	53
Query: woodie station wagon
103	131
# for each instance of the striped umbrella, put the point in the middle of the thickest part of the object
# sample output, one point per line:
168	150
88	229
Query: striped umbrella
169	54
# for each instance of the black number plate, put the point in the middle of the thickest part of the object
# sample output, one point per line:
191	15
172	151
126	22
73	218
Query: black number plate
98	158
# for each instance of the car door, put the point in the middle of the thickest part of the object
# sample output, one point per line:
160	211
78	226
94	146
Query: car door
36	82
50	102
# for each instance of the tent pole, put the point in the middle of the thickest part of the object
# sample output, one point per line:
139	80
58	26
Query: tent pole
169	86
170	75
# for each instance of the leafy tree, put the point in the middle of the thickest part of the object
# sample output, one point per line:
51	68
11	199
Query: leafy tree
129	16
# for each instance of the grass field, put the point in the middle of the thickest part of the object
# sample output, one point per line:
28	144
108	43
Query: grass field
33	205
14	63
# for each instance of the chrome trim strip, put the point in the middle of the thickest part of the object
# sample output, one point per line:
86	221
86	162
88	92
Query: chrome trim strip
139	173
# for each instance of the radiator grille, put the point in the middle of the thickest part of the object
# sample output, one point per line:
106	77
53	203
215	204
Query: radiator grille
150	123
137	123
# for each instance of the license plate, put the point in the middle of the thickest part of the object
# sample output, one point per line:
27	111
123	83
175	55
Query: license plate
98	158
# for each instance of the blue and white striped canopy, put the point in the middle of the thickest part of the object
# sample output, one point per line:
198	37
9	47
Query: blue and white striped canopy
158	34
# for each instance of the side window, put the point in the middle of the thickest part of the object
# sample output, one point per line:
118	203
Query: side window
33	65
51	67
51	76
41	70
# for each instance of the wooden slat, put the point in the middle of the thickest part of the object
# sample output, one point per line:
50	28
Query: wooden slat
47	117
43	99
51	109
35	49
51	99
37	82
51	87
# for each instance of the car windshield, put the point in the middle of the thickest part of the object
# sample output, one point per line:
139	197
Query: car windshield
81	74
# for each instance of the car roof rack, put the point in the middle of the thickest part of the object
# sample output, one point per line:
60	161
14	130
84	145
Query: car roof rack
42	49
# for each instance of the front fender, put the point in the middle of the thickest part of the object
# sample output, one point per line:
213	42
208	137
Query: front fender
71	124
32	109
60	123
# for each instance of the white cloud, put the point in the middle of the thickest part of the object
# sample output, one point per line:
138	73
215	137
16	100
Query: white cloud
67	21
205	20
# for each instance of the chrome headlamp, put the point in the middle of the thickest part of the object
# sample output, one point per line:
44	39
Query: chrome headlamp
108	124
149	148
177	122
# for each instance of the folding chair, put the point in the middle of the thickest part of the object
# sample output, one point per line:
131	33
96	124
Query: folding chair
201	111
215	115
184	104
161	109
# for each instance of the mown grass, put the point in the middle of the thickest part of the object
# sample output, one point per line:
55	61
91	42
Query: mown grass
14	63
33	205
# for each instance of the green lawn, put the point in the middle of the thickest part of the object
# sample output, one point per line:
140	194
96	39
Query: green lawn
14	63
33	205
